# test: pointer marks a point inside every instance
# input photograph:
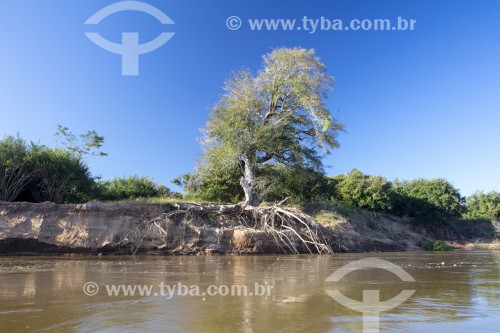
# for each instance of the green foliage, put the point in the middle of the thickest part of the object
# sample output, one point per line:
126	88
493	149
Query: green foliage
16	170
294	182
163	191
60	177
436	246
429	201
182	180
276	182
218	184
277	116
359	190
32	172
84	144
483	205
129	188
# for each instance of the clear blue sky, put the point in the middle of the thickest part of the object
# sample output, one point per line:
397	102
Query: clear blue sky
422	103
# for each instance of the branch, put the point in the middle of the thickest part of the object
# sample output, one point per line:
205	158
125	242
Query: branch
273	107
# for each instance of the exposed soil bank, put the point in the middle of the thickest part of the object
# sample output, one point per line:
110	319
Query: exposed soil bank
113	228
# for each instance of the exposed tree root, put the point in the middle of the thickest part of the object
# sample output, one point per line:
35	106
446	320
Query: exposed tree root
292	230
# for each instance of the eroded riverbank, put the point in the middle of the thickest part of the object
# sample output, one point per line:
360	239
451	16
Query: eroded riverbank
116	228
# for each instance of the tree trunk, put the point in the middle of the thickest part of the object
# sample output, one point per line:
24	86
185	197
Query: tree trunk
248	182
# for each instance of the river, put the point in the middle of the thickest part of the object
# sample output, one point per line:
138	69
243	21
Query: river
456	291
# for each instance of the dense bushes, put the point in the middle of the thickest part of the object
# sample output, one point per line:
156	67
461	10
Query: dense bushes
16	169
216	185
32	172
129	188
427	200
483	205
432	200
363	191
59	176
296	183
276	182
37	173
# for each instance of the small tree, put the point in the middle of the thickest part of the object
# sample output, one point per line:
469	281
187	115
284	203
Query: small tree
83	144
278	116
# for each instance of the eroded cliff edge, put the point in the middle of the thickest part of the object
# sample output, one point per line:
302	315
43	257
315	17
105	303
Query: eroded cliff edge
123	228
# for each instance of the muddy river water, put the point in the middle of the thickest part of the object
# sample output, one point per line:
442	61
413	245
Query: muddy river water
455	291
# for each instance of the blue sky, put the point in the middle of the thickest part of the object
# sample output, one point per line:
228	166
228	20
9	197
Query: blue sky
422	103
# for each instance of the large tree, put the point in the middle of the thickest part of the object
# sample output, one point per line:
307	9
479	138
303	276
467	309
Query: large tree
277	116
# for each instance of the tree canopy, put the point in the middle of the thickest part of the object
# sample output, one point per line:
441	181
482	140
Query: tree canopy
363	191
483	205
277	116
84	144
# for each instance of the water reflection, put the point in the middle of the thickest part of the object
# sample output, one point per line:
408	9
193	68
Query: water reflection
455	292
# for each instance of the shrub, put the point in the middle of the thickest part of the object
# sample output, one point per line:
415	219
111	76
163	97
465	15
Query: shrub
221	184
61	177
427	200
363	191
16	170
437	245
31	172
129	188
483	205
299	184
